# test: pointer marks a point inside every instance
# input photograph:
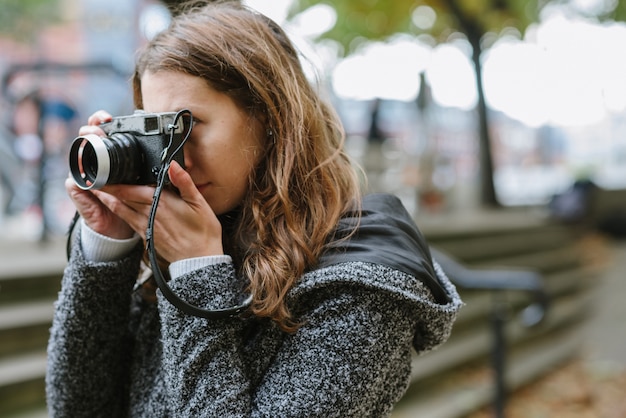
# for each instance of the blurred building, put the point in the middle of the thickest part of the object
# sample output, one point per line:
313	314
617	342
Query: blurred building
74	66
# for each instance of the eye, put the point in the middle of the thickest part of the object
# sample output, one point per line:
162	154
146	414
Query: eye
186	121
195	122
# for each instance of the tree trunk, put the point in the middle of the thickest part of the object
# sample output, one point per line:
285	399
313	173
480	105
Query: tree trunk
487	186
474	33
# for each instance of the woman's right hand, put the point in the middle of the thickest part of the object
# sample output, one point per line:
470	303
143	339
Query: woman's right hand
94	213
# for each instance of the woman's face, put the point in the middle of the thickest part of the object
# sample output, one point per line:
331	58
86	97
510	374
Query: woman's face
225	142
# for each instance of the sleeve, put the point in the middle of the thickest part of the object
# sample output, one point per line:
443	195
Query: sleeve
350	356
204	370
187	265
89	345
98	247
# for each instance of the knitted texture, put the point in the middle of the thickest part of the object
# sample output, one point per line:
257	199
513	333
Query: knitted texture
111	354
350	357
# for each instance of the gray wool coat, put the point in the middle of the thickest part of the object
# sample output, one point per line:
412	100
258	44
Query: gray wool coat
370	303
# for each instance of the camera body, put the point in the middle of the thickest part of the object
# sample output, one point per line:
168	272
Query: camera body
132	151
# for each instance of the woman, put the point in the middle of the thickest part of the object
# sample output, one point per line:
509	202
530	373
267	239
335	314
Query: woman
267	204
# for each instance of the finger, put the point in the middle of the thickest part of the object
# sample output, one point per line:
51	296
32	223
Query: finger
132	214
124	199
78	195
114	203
90	130
99	117
130	193
183	182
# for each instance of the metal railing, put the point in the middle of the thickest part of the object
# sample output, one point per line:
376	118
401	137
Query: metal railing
499	281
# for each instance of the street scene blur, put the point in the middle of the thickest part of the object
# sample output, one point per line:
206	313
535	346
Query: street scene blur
499	124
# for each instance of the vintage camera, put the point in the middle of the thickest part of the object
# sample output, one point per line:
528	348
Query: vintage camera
131	153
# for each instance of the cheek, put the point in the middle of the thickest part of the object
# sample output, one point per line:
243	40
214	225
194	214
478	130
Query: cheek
247	151
239	163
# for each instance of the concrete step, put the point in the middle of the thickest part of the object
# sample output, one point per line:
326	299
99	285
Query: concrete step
479	221
30	270
40	412
21	259
22	384
451	382
33	285
475	343
31	280
20	368
25	327
486	246
466	390
26	314
478	303
544	261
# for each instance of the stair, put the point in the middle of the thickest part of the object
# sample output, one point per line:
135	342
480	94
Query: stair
457	379
29	283
449	382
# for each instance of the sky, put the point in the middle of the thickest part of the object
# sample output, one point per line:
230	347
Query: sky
564	72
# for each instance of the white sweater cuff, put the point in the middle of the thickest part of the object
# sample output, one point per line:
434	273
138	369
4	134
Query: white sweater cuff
181	267
100	248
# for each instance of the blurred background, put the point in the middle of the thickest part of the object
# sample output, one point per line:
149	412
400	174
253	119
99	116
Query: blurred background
452	104
499	123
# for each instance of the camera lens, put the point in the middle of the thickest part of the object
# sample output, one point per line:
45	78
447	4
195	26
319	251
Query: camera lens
96	161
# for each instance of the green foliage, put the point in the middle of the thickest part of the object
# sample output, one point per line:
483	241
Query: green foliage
494	15
379	19
619	14
367	19
605	10
22	19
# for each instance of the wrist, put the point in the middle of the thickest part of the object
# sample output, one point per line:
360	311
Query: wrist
101	248
184	266
123	232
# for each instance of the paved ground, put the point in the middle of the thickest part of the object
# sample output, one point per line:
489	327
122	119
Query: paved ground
606	332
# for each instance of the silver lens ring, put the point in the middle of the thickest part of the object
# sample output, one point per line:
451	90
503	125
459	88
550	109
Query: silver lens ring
103	162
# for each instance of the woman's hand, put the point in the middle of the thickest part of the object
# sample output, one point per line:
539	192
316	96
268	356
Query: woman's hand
95	214
185	225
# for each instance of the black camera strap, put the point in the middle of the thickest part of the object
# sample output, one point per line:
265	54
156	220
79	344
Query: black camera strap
169	294
158	276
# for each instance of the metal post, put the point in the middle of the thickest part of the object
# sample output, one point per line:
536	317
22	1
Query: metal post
498	354
41	174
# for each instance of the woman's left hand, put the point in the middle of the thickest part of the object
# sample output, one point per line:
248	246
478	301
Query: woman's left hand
185	226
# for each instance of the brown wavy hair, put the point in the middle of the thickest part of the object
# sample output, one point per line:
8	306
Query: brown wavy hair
305	182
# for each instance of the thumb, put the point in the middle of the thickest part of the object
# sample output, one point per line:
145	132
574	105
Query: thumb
183	182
